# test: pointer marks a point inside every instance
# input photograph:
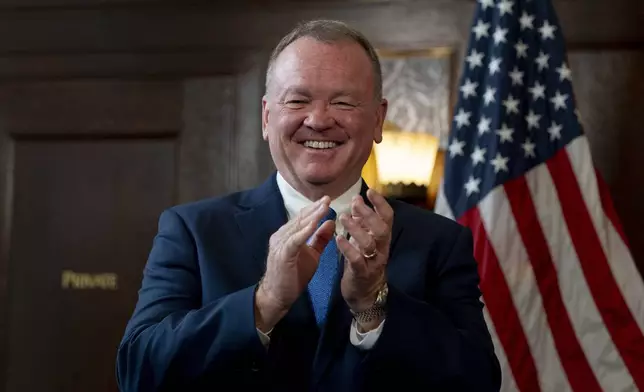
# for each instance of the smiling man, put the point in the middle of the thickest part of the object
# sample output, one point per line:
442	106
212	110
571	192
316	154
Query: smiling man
311	281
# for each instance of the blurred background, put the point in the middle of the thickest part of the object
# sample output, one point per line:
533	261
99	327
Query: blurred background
113	110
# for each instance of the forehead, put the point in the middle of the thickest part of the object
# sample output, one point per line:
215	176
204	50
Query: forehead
310	61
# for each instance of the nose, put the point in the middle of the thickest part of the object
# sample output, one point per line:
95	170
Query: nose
319	117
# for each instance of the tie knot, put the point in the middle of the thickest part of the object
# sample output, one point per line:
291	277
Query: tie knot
331	215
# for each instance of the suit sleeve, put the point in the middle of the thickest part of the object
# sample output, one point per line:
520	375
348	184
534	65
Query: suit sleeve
173	340
442	343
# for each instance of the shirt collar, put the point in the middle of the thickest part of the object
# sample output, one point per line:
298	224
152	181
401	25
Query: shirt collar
294	201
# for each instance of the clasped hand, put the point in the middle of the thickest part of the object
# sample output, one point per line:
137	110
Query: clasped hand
295	249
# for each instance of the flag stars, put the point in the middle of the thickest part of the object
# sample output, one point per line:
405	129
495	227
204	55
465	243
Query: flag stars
522	49
555	131
547	31
481	30
456	148
462	118
488	97
469	89
475	59
511	105
538	91
472	186
505	7
542	61
559	101
495	65
526	21
499	35
484	125
478	156
564	72
486	4
505	134
533	120
528	149
517	77
500	163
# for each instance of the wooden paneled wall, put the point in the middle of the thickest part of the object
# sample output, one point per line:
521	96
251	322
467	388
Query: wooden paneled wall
191	73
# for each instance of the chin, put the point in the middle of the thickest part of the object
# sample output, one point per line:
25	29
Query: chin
319	178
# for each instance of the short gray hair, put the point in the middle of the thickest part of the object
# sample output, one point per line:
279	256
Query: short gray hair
329	31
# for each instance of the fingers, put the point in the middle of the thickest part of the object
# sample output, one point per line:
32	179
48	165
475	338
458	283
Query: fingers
316	211
370	219
310	214
298	238
354	260
321	237
381	206
304	226
363	239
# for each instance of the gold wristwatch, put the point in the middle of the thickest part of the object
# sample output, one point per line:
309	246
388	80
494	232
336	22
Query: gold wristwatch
377	310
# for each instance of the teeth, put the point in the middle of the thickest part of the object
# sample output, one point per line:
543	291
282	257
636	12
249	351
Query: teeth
319	145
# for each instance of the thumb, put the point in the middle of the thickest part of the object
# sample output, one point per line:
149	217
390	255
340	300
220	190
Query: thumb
322	236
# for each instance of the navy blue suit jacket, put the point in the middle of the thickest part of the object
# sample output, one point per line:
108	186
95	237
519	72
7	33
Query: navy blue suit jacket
193	328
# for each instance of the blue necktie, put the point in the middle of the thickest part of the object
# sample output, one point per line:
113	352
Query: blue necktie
321	285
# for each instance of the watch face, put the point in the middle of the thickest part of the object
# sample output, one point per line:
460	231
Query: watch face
382	296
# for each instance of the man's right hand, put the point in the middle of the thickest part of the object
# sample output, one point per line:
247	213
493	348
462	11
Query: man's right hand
293	256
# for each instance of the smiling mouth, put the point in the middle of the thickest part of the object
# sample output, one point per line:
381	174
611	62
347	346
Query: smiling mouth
320	145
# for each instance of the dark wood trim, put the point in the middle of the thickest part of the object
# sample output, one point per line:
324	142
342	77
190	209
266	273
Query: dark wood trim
67	135
19	6
161	65
6	207
626	46
91	106
212	26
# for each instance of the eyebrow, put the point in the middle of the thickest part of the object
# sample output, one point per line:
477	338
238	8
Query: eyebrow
304	92
295	90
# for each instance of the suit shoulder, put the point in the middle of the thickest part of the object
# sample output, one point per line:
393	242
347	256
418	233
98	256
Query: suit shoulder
425	220
195	210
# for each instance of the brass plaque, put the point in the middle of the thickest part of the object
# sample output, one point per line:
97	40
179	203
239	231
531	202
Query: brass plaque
71	280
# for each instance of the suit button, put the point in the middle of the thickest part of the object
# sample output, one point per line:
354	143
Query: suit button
254	367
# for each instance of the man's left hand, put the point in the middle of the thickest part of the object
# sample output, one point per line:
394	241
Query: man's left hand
367	252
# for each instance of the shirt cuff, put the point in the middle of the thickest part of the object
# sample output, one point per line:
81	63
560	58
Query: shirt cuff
367	340
265	338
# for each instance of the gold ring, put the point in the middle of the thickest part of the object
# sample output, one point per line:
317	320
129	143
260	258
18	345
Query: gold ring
370	255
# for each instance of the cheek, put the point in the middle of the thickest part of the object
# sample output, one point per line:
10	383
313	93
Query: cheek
359	126
288	123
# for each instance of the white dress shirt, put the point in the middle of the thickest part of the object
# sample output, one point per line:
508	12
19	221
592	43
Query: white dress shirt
294	201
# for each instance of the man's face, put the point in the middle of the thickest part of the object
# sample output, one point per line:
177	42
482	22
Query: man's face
320	116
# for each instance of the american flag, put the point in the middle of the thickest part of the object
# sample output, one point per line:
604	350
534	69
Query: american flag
564	300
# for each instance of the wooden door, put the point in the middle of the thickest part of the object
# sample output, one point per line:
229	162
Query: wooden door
86	168
84	214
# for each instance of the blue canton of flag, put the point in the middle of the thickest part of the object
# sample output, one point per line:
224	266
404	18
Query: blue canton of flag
516	106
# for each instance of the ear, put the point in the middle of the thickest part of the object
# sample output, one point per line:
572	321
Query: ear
381	114
265	118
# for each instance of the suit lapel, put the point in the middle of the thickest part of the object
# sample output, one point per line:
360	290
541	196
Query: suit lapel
261	213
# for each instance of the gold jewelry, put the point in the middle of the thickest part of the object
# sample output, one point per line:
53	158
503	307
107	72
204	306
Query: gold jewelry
370	255
377	310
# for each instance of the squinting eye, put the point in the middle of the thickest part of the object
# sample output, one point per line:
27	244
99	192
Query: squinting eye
296	103
347	104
